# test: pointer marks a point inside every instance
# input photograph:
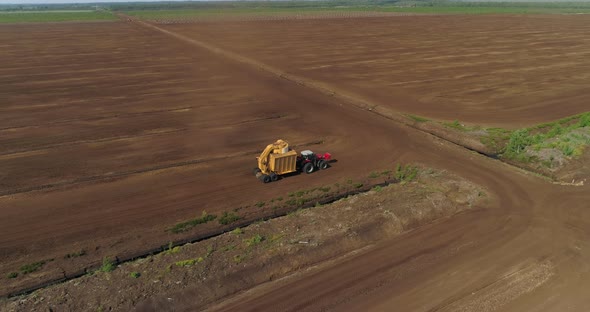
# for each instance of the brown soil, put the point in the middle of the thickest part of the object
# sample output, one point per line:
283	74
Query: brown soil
106	149
113	132
506	71
225	265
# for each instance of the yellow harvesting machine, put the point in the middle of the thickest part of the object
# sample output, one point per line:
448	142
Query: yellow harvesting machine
278	159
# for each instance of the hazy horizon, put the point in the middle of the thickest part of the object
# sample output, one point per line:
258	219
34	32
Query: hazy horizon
28	2
17	2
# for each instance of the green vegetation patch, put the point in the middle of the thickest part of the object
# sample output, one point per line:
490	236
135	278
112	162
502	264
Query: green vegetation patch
228	218
184	263
12	275
406	173
107	265
417	118
32	267
49	16
171	249
496	139
254	240
187	225
187	10
570	136
456	125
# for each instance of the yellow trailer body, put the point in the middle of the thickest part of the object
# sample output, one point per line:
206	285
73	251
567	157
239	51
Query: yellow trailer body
283	163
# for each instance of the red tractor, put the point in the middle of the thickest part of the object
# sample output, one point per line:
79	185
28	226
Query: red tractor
309	162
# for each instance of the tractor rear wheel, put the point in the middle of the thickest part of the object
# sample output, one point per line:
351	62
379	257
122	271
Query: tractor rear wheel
322	164
273	176
308	168
256	171
265	178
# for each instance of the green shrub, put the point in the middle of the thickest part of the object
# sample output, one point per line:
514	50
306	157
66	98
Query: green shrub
519	140
373	175
584	120
184	263
31	267
578	151
254	240
171	250
405	174
228	218
135	274
12	275
555	131
568	150
107	265
237	231
185	226
301	202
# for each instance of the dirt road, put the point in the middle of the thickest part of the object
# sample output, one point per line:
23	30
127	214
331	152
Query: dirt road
530	253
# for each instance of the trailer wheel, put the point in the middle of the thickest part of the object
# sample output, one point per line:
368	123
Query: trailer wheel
273	176
323	164
265	178
308	168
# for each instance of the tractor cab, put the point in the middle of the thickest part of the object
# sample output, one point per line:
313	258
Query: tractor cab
307	155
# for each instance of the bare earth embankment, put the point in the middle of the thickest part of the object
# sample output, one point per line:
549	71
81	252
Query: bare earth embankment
216	268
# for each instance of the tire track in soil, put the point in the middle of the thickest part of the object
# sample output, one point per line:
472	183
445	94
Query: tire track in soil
79	142
97	118
126	137
121	174
340	95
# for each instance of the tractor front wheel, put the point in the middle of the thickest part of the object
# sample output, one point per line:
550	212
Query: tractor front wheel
308	168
